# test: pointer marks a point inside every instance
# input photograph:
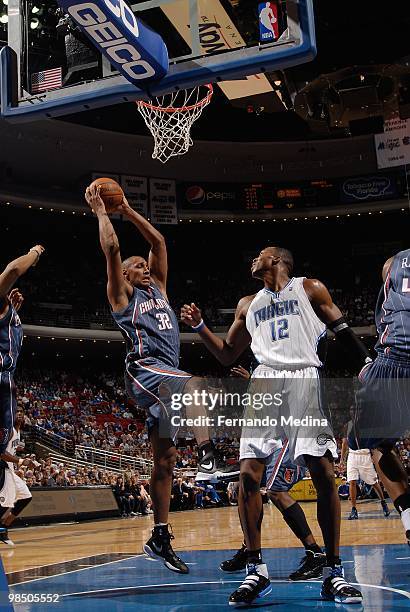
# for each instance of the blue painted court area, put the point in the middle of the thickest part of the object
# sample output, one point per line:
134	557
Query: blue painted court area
383	572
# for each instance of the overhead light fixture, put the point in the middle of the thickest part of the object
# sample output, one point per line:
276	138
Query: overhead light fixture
35	9
34	23
4	19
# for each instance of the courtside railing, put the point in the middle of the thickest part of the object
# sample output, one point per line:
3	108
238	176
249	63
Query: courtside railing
113	461
74	463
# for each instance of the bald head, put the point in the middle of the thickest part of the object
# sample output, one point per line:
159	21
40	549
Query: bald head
130	261
285	256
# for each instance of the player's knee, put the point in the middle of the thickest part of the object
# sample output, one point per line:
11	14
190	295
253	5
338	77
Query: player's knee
250	482
165	464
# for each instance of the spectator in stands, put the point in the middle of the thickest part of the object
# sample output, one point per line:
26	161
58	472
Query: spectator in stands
121	497
180	495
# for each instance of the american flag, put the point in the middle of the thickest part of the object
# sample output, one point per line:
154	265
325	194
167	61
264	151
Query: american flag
46	79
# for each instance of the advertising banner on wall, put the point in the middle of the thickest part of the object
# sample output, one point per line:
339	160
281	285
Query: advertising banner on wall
136	192
393	146
365	188
163	201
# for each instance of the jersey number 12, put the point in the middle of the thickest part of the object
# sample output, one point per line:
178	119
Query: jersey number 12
279	329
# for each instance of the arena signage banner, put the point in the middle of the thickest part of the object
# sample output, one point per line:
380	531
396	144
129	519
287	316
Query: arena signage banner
136	51
163	201
363	188
136	192
393	146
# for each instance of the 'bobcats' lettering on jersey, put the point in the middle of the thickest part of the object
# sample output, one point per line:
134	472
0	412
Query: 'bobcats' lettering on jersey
276	309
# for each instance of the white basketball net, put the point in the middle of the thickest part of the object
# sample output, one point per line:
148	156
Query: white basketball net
170	118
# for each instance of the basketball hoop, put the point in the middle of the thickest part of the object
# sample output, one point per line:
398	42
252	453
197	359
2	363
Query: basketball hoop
170	118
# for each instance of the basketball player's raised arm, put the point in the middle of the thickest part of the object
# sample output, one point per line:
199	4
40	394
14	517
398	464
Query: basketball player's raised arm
237	340
17	268
118	289
330	314
157	259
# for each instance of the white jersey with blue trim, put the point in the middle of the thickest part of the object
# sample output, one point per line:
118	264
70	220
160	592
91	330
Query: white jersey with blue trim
12	446
285	329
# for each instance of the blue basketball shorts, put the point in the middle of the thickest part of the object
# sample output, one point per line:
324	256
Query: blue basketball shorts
153	385
382	414
281	472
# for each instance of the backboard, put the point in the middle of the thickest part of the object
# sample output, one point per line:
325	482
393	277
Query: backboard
49	68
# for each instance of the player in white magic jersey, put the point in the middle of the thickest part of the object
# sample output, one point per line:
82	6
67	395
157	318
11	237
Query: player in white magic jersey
284	323
14	493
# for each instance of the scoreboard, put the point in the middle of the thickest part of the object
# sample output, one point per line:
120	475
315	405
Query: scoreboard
287	196
260	196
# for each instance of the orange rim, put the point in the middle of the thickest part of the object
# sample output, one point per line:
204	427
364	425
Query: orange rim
171	109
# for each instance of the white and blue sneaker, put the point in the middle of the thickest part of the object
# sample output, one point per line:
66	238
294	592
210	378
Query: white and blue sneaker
255	586
335	588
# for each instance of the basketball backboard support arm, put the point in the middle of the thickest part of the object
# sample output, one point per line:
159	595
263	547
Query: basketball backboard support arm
295	46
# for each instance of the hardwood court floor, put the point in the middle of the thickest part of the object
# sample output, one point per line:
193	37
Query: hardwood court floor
212	529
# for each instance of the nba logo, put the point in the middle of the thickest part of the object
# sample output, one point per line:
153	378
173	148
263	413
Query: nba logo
268	21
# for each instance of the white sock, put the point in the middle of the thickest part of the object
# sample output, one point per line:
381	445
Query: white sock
405	519
262	569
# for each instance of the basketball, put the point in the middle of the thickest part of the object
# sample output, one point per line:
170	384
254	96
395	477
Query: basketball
110	192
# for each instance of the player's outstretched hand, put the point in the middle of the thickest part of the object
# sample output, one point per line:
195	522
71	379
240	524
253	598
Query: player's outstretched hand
15	298
94	200
124	207
240	372
191	315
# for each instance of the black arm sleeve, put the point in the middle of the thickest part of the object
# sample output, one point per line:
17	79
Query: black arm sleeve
353	345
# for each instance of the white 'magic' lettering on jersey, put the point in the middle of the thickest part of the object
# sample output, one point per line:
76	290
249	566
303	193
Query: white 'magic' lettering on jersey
12	446
285	329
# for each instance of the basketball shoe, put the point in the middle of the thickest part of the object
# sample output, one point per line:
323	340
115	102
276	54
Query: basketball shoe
385	508
159	547
255	586
237	563
353	515
4	537
209	459
310	567
335	588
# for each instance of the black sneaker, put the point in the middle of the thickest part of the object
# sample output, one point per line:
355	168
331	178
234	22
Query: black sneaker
385	508
353	515
237	563
208	459
255	586
4	537
335	588
310	567
159	547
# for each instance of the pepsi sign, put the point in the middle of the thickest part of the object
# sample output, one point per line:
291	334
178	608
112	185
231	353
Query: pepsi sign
136	51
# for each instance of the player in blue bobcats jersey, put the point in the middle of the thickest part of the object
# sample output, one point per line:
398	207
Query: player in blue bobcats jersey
383	414
137	294
11	337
